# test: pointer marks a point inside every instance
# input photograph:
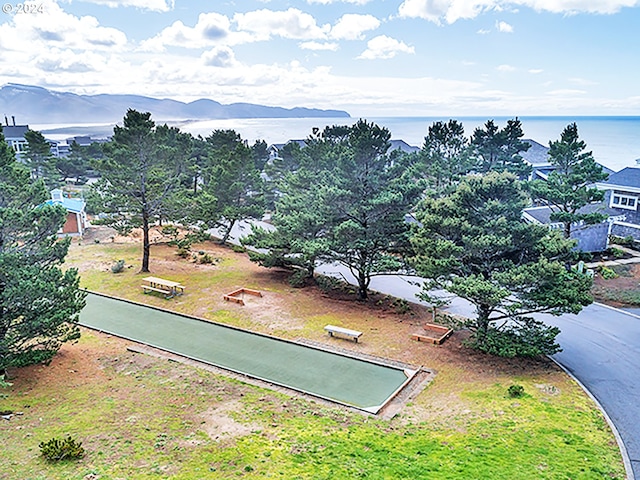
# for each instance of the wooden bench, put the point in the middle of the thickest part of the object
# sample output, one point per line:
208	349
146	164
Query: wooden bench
343	332
147	288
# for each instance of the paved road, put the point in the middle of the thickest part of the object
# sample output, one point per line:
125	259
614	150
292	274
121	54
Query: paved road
601	348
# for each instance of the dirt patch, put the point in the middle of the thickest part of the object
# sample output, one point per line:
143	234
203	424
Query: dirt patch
218	423
621	291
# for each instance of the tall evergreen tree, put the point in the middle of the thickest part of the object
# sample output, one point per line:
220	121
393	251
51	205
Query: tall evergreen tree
232	189
570	186
369	198
39	158
140	175
498	150
474	244
39	302
444	154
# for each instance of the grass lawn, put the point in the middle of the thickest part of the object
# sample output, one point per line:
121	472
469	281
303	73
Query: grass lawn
141	417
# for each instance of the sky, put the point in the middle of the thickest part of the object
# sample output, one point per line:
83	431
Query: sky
368	57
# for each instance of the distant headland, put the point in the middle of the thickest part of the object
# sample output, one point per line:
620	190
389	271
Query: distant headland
38	105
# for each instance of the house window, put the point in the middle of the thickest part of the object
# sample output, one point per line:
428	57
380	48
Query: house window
623	201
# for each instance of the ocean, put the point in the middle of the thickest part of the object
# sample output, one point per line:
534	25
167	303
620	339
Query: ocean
614	141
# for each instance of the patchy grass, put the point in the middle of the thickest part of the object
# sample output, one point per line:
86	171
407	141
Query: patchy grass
143	417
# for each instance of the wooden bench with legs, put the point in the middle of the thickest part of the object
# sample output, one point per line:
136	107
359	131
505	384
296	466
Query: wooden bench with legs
343	333
167	287
147	288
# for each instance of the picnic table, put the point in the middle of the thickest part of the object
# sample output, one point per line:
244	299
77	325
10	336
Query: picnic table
167	287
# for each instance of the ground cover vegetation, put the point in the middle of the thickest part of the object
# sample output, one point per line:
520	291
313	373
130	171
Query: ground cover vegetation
141	416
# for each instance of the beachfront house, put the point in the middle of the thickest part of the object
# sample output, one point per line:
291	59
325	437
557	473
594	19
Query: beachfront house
589	238
538	157
622	194
76	221
14	136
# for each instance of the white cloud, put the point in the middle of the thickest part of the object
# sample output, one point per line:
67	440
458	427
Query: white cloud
450	11
566	92
291	23
332	46
210	29
38	33
504	27
506	68
535	71
219	57
384	47
352	26
581	81
483	31
153	5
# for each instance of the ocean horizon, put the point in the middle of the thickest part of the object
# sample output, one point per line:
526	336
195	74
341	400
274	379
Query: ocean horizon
614	140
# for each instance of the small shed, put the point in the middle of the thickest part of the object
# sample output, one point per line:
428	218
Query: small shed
76	222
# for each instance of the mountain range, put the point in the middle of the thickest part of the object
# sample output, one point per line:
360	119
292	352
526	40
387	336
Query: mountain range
31	104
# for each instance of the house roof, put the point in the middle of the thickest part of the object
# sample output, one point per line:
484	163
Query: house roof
402	146
14	131
627	177
543	214
76	205
537	154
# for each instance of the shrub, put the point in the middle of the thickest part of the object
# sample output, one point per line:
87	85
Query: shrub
238	248
401	306
327	284
616	252
206	258
298	279
607	273
516	391
56	450
626	241
118	266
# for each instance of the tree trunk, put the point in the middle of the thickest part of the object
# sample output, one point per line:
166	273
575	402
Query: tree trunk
363	285
227	234
567	230
146	247
482	324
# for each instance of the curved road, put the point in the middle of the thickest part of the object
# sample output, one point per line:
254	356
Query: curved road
601	348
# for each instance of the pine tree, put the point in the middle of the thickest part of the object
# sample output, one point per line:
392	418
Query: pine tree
498	150
570	186
141	175
474	244
39	302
